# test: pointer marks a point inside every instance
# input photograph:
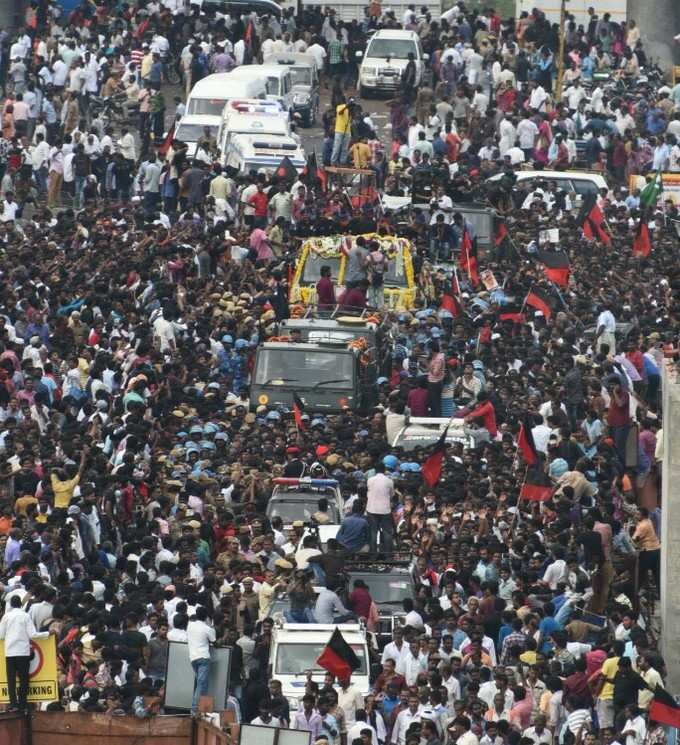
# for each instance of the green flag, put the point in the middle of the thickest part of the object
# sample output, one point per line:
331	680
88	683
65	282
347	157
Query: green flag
651	192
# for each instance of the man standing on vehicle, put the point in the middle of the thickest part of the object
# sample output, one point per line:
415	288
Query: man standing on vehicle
199	637
379	509
343	132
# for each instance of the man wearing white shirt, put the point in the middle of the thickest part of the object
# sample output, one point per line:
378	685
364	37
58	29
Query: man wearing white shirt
538	97
395	649
17	629
404	720
606	330
40	156
380	489
199	637
411	665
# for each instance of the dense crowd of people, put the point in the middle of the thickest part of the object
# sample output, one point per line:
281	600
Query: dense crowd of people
136	284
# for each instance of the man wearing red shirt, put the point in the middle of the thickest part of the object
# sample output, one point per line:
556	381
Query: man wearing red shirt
325	292
618	415
486	412
417	399
260	202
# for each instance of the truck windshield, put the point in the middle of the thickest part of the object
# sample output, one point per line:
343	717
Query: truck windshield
300	509
304	368
211	106
301	75
192	132
296	659
312	269
391	48
385	588
395	274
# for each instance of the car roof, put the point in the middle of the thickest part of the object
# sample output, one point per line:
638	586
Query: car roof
207	120
394	33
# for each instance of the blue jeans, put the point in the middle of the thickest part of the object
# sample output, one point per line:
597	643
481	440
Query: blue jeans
79	186
340	148
385	525
201	671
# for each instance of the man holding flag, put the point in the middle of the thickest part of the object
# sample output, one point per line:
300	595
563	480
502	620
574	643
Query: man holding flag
642	244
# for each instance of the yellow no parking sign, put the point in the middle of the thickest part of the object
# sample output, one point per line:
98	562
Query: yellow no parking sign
42	674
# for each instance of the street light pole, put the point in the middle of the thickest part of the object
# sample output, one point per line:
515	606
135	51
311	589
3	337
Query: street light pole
560	60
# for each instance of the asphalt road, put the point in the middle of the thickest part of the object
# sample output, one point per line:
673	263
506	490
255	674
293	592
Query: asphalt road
312	137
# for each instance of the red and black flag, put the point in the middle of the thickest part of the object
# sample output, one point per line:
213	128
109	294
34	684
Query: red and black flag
525	442
468	258
541	300
298	411
432	468
286	171
338	657
591	219
556	266
537	486
663	708
511	312
642	243
315	176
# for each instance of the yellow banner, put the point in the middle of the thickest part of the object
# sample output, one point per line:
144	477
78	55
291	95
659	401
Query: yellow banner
42	681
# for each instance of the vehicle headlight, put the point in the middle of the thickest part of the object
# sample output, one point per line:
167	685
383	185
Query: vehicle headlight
370	71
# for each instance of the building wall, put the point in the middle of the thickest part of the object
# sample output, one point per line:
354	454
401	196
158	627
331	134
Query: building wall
670	527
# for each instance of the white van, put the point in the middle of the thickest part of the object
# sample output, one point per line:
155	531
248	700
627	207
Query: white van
296	647
252	152
252	117
211	93
578	183
385	58
277	79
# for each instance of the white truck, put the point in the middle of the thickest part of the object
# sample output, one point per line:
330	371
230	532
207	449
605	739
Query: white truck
576	8
296	648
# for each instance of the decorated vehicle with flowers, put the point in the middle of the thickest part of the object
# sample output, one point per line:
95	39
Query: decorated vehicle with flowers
332	251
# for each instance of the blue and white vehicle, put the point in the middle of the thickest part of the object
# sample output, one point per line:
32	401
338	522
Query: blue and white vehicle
248	153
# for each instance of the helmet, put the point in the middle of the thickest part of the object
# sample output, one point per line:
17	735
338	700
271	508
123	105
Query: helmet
390	461
240	344
227	339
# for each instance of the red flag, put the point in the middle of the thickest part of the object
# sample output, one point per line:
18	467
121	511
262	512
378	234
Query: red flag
539	300
432	468
338	657
525	442
537	486
167	142
642	245
663	709
468	259
452	304
298	411
501	234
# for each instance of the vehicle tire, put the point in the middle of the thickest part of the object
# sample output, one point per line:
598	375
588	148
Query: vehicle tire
363	92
